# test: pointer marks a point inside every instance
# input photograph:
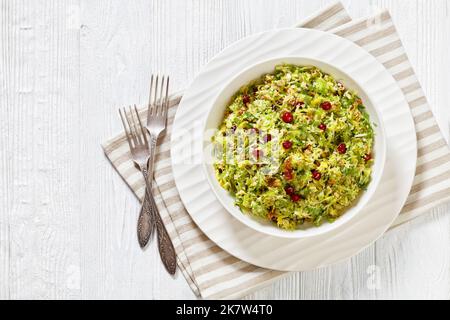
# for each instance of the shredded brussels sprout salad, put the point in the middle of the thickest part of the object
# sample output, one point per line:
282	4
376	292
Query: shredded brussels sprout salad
295	147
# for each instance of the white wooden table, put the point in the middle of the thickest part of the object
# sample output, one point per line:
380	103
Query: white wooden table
67	221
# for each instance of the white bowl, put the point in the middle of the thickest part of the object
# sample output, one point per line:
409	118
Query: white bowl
215	118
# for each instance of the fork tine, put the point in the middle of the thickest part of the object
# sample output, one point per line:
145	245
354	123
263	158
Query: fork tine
166	102
133	136
160	101
144	135
154	107
127	133
150	97
135	127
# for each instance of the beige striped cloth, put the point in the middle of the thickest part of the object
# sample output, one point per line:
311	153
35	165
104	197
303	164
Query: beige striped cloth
213	273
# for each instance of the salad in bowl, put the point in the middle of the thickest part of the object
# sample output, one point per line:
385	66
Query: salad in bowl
295	149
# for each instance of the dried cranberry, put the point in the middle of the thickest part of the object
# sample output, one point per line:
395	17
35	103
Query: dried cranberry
287	117
326	105
287	145
323	126
368	157
316	175
289	190
342	148
245	99
295	197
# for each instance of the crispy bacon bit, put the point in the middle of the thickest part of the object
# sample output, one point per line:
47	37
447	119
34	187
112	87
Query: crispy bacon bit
288	164
272	216
368	157
307	149
297	103
288	175
273	182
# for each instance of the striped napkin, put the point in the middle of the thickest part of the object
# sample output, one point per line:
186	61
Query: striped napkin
213	273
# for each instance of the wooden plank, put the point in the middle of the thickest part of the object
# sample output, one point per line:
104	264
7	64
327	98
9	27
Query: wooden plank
121	44
40	158
5	147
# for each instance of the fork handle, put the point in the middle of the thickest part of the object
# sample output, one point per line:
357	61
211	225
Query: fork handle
145	226
153	141
165	246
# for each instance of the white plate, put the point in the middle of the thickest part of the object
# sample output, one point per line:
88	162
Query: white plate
274	252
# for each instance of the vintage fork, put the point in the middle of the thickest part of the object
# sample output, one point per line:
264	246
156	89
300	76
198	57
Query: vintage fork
139	148
156	123
157	114
140	153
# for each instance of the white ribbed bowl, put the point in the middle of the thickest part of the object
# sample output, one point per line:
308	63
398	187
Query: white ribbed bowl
215	117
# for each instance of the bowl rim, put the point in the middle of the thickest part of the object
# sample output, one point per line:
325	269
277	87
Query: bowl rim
310	231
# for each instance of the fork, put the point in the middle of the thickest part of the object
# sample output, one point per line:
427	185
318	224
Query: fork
139	148
157	114
156	123
140	153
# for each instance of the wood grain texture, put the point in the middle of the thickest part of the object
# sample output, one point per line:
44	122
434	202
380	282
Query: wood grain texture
67	221
40	157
